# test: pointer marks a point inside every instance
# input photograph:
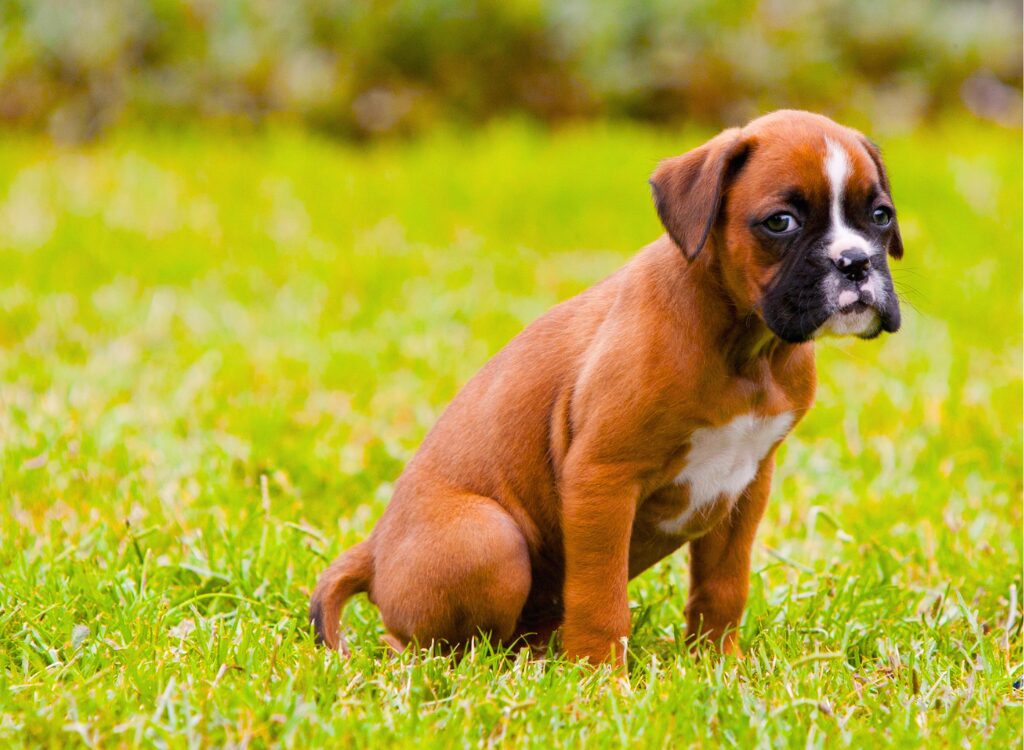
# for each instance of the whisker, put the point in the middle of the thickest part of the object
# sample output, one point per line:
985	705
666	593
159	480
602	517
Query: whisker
904	290
907	301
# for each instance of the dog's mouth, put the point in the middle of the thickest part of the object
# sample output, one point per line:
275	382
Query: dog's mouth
854	308
856	319
798	318
866	315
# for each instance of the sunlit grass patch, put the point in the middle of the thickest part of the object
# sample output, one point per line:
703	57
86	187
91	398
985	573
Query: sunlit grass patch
218	353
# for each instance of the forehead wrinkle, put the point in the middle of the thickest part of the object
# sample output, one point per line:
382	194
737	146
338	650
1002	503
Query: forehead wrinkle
783	197
791	194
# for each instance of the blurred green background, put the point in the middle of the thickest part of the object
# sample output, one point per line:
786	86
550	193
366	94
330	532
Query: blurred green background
400	66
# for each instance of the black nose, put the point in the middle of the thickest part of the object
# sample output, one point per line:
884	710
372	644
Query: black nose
853	264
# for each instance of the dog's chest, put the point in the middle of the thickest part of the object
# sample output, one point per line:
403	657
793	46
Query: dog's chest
722	461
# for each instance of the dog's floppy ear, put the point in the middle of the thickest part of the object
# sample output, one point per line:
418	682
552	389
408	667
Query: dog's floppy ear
688	189
895	239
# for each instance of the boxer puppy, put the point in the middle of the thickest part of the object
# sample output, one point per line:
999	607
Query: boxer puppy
641	414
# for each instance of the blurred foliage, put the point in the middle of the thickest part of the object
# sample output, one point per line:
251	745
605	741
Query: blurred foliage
365	68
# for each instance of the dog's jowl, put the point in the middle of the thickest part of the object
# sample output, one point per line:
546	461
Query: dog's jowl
642	414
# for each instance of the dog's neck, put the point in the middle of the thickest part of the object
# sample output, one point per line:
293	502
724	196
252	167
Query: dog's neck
749	344
743	337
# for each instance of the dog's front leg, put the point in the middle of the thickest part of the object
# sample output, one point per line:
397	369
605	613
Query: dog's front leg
598	505
720	568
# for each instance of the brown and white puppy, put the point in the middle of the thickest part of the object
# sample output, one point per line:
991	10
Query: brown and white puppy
641	414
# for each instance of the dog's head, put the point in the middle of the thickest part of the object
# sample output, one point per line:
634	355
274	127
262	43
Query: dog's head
796	212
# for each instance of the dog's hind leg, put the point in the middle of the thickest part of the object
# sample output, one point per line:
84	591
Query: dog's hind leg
453	568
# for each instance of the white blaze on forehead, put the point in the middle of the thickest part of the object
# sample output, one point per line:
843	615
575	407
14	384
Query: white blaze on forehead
841	237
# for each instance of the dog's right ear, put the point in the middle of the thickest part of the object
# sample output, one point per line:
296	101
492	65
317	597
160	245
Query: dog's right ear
895	239
688	189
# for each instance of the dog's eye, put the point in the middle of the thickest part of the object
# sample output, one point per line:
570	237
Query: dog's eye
881	216
781	223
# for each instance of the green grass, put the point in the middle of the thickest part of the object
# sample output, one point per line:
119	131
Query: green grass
217	352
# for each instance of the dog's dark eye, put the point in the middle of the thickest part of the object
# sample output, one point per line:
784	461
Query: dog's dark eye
781	223
881	216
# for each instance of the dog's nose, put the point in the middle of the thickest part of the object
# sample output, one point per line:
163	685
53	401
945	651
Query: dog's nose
853	264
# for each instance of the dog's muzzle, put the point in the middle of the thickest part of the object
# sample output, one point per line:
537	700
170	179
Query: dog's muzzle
862	297
851	295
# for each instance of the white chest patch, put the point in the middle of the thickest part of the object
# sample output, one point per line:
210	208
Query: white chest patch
722	461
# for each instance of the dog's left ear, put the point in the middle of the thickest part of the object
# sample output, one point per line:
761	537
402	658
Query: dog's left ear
895	239
688	189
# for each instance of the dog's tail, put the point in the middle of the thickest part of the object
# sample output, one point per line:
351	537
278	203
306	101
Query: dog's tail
348	575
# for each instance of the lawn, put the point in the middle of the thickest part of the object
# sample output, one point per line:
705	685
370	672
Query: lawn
218	350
